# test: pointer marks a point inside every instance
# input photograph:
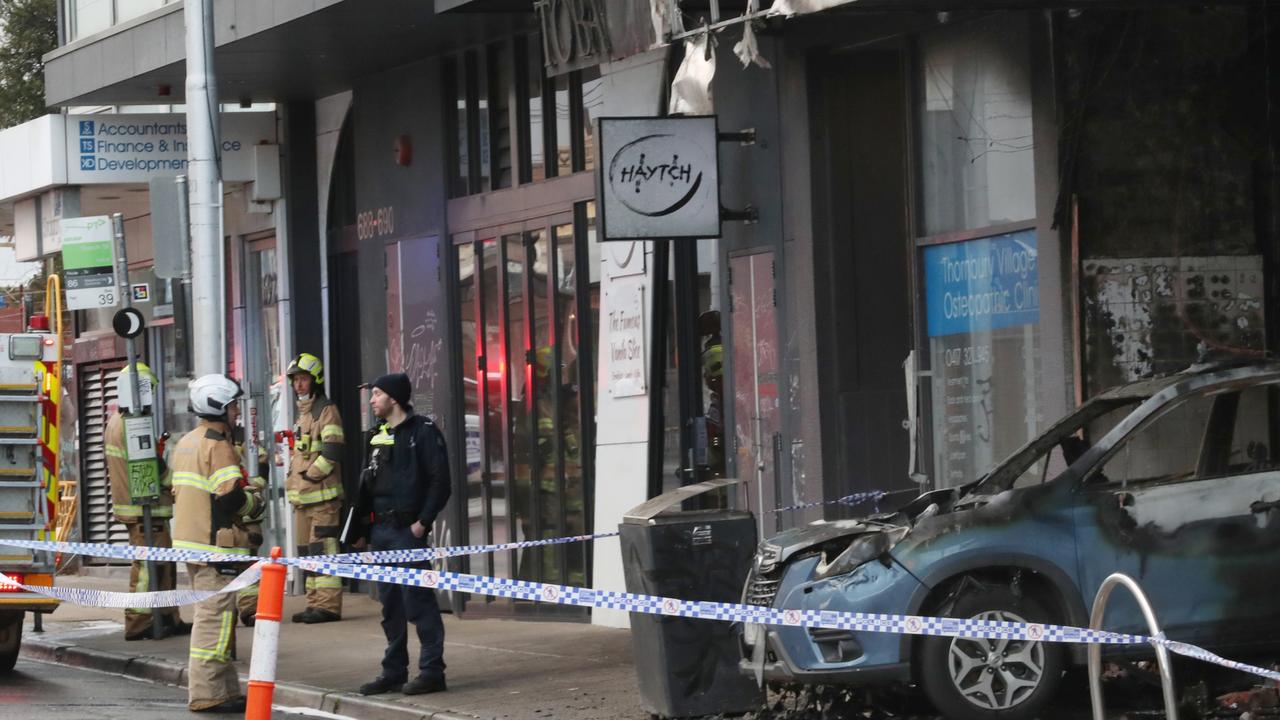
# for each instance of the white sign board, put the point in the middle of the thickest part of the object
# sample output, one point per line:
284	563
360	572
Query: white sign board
625	332
659	178
89	262
135	148
140	435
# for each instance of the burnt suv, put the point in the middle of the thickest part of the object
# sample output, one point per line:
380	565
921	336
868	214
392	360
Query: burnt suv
1174	481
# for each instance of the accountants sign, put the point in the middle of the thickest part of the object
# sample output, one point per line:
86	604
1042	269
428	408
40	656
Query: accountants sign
659	178
129	148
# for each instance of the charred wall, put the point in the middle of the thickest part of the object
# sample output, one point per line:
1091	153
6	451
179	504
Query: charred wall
1169	150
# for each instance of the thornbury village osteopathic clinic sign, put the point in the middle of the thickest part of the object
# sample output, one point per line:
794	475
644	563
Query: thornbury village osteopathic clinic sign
659	178
135	148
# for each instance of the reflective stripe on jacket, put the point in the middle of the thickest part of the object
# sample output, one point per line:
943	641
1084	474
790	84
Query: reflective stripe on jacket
122	504
209	495
315	473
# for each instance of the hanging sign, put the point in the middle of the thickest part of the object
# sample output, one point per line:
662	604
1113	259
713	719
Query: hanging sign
659	178
89	261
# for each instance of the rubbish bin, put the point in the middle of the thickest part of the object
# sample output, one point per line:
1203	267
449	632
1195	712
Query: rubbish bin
688	667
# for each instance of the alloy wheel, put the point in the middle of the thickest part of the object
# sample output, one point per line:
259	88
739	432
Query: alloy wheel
996	674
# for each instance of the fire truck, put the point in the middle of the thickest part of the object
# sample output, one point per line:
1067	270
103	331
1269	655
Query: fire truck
30	388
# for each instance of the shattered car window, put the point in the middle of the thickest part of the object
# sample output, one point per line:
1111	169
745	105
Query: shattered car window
1165	449
1253	447
1047	456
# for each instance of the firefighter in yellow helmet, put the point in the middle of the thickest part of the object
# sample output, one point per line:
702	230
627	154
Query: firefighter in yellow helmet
137	621
212	503
314	485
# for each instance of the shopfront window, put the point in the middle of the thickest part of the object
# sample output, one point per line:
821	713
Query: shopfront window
528	447
978	254
975	125
554	117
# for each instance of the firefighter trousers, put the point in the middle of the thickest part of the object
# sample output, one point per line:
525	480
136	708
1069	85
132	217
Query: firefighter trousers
317	527
137	621
211	678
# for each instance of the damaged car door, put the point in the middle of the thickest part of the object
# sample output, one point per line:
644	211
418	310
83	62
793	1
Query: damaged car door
1182	505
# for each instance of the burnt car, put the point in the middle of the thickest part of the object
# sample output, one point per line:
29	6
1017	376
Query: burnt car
1173	481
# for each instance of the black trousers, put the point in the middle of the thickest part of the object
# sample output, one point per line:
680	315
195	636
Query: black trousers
401	605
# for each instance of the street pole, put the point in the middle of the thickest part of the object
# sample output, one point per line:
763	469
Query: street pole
135	407
205	177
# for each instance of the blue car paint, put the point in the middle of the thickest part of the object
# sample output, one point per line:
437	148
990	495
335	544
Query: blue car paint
878	589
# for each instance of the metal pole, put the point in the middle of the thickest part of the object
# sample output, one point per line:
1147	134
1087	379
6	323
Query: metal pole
1095	650
135	407
205	174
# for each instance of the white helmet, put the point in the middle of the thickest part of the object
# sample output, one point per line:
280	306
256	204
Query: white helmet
211	394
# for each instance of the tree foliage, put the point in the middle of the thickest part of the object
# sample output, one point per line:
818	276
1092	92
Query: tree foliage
28	30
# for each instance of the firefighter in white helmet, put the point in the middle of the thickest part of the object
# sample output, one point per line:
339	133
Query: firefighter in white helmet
137	621
314	485
212	505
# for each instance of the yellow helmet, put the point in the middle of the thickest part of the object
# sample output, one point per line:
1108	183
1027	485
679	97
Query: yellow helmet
307	363
713	362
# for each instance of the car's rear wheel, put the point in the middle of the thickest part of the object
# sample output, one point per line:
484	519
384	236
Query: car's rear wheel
975	679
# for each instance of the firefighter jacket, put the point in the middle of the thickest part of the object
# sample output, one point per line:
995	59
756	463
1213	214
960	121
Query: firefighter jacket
315	475
208	487
122	504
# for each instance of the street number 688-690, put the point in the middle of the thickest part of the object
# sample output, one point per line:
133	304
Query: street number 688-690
107	298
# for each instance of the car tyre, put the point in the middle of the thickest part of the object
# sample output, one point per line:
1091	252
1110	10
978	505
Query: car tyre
969	679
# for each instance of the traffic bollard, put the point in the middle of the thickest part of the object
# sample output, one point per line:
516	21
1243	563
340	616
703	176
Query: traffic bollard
266	637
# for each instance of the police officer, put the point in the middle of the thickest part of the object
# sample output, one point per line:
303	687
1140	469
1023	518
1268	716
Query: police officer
405	486
314	485
211	507
137	621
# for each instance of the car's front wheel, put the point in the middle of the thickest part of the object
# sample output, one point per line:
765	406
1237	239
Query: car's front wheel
976	679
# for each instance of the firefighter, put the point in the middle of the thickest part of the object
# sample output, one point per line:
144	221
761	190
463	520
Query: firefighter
247	598
137	621
212	504
713	378
314	485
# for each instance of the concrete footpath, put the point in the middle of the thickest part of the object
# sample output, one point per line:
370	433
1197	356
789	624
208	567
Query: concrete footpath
497	668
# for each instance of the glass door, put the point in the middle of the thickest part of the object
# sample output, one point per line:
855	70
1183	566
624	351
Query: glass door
519	298
263	378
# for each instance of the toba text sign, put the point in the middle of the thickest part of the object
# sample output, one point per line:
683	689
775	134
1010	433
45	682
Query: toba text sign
659	178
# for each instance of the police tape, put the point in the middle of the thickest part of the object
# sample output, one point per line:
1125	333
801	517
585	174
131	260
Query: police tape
967	628
381	557
171	598
154	599
849	500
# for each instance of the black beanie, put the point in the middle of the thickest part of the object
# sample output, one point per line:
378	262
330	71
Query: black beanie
397	386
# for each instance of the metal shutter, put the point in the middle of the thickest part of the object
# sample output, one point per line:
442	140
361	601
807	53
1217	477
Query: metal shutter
97	392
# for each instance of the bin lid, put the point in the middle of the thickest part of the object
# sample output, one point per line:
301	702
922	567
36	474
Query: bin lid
643	513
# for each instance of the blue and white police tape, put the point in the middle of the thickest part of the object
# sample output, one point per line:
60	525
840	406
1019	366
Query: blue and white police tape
134	552
169	598
850	500
971	628
155	599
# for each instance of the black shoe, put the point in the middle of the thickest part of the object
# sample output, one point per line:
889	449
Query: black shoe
422	685
234	705
165	632
381	684
249	618
178	628
299	616
313	616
